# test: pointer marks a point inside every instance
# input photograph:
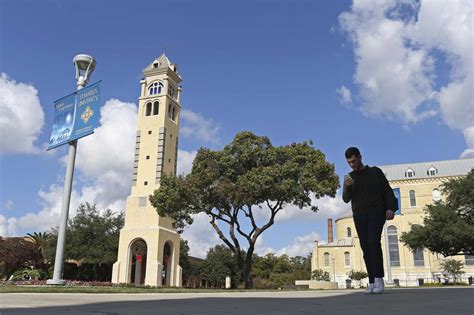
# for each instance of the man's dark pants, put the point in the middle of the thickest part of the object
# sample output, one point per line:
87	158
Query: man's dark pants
369	225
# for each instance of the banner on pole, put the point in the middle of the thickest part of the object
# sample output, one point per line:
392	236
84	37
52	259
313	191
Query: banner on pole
76	115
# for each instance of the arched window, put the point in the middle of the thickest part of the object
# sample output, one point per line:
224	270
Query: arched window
412	198
436	194
349	232
393	246
347	259
148	109
156	108
326	259
155	88
169	110
173	115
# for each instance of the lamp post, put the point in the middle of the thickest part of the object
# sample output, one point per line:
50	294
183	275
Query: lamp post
84	65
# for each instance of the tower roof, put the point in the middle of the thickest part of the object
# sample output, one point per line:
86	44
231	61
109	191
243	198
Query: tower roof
160	62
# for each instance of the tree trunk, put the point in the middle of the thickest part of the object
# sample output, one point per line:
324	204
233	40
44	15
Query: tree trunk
247	268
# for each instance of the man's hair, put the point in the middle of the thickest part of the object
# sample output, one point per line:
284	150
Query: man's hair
351	152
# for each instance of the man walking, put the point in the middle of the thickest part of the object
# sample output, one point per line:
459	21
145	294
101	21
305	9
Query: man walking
373	202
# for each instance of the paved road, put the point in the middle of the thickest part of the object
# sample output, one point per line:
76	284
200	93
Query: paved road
394	301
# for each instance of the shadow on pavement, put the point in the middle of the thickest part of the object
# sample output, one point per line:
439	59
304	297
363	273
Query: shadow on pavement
393	301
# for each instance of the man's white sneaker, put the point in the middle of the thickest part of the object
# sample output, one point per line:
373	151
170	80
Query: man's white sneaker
370	289
378	286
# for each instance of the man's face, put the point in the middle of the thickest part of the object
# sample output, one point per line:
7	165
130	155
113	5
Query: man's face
355	162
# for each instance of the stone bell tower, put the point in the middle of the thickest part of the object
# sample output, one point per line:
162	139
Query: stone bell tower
149	246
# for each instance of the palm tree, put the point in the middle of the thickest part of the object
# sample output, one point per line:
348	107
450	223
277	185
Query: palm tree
39	239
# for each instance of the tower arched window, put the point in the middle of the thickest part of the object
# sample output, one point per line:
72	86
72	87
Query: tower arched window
412	198
156	108
349	232
173	114
393	246
326	259
347	259
155	88
148	108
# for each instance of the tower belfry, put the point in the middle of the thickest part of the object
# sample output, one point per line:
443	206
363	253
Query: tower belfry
149	245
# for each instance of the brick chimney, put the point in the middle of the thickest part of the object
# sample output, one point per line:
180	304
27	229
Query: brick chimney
330	235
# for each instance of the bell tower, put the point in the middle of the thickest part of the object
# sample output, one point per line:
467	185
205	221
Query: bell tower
149	246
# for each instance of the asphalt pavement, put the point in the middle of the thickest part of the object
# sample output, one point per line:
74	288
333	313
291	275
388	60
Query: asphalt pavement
394	301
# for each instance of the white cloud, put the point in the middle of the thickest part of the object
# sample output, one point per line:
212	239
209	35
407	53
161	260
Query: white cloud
195	125
8	226
345	95
21	116
301	246
328	208
396	44
200	236
185	161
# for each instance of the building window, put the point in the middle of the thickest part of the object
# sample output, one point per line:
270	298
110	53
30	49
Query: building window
145	183
173	114
412	198
147	157
142	201
436	194
326	259
148	109
347	259
410	173
432	171
393	246
171	91
155	88
418	258
469	260
156	108
149	132
349	232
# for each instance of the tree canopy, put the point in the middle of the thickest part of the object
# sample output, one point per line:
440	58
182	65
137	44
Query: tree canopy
448	226
92	239
248	175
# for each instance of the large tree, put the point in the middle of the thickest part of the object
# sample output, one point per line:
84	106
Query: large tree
92	239
248	175
448	226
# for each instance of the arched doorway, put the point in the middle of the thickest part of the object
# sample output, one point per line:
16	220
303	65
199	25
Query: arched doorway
167	263
138	251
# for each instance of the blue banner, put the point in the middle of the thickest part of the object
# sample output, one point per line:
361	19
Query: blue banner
396	192
76	115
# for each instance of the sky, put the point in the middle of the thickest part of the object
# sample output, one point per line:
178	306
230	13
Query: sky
394	78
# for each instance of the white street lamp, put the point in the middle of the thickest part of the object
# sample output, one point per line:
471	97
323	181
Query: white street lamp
85	65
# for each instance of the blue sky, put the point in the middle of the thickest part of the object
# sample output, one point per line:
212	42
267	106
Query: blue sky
376	75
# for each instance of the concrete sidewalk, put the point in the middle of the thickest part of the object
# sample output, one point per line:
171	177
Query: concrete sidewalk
393	301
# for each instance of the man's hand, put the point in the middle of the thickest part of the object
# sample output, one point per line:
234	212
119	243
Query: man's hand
389	214
348	181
